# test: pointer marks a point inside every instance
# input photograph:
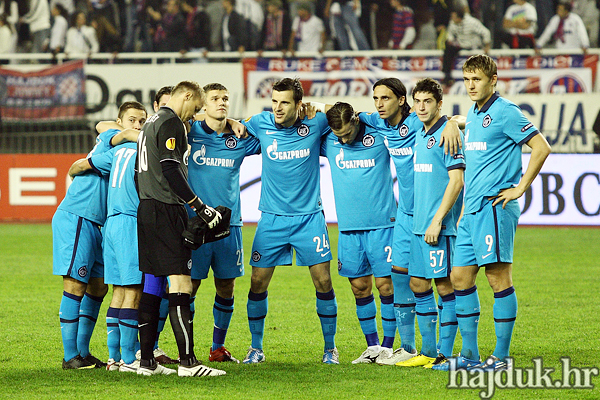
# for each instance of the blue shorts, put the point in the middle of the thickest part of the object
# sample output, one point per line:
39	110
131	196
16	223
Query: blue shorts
363	253
488	235
431	262
277	235
225	257
122	266
402	236
76	247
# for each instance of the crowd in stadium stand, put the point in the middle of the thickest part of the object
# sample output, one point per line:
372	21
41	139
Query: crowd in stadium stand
114	26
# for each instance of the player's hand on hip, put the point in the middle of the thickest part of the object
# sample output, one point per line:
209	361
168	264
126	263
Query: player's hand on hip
505	196
209	215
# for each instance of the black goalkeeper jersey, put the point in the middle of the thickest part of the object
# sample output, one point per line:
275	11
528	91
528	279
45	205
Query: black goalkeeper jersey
162	138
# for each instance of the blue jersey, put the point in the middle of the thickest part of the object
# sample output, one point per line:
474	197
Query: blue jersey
290	163
493	139
431	168
400	140
119	165
214	166
86	197
362	180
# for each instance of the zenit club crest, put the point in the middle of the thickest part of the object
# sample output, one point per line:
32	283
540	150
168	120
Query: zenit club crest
339	265
487	120
403	130
368	140
256	256
170	143
430	142
82	272
189	264
303	130
231	142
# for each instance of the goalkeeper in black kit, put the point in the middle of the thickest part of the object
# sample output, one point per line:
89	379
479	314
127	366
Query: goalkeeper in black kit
162	220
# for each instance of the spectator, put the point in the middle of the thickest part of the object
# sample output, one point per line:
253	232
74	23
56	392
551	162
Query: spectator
308	31
441	19
588	12
139	25
253	14
108	8
520	24
8	39
172	35
38	19
276	29
58	32
197	26
108	37
344	15
464	32
427	36
566	29
81	38
403	27
233	32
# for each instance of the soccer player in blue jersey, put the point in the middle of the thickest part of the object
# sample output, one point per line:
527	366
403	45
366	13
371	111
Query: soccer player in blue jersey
362	179
214	170
292	215
120	239
438	183
77	254
496	129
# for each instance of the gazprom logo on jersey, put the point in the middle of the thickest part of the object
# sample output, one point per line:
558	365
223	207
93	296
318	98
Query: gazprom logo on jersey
286	155
200	159
349	164
402	151
423	167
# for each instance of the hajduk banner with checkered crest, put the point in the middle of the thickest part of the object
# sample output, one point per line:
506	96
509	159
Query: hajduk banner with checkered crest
55	93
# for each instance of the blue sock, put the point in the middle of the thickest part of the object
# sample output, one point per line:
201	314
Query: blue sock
222	312
193	306
404	309
388	320
163	314
128	323
427	318
327	312
113	337
467	315
88	315
505	314
366	311
257	308
440	310
69	322
448	324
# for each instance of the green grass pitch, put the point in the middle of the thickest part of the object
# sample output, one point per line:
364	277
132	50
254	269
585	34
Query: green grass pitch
556	275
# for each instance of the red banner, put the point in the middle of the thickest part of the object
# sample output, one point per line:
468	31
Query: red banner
55	93
33	185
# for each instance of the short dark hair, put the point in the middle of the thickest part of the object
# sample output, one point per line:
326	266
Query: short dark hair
428	85
481	62
214	86
161	92
339	115
398	88
129	105
566	5
290	84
